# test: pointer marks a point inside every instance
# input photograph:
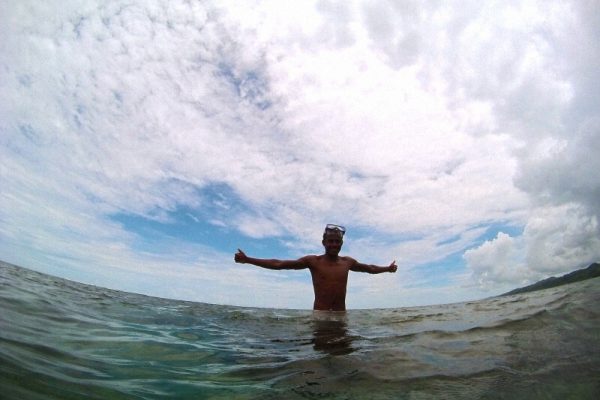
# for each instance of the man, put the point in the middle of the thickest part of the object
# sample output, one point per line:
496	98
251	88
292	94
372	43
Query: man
329	271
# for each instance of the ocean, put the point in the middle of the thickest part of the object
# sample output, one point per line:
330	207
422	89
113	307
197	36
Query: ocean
65	340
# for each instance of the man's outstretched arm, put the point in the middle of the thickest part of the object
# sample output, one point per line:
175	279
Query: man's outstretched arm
242	258
373	269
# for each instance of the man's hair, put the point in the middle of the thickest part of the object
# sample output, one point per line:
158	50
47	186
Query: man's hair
333	232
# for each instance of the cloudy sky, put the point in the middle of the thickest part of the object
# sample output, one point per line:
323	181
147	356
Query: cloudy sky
142	143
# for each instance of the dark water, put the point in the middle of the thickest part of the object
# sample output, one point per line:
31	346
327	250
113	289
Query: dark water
65	340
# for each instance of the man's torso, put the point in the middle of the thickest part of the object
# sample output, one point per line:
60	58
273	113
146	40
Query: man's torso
330	278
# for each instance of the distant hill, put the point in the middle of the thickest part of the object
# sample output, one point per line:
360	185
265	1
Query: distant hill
580	275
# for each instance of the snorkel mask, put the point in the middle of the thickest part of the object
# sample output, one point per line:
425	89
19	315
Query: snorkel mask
335	228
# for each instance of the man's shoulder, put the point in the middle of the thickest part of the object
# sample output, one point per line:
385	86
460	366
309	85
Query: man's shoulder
310	257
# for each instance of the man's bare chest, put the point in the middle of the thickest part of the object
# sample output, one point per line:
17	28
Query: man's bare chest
331	271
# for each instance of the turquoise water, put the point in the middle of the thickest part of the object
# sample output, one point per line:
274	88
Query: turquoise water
65	340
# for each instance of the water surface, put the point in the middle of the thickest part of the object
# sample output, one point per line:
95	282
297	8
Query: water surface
65	340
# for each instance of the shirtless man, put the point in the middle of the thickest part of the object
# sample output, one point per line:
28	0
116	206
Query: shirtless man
329	271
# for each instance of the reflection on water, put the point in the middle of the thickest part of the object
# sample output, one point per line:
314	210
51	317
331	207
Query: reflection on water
330	333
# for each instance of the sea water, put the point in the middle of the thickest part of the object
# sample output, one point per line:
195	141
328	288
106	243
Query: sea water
65	340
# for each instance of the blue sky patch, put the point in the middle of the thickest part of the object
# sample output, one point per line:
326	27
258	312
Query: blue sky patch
439	273
493	230
211	224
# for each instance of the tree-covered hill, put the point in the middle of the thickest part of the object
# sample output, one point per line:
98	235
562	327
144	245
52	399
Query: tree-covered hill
582	274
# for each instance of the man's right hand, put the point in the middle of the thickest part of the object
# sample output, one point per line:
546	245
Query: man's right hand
240	257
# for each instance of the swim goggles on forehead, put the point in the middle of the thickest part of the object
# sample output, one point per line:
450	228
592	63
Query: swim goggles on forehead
338	228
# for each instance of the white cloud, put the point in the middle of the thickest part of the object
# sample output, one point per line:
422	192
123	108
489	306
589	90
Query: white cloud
556	240
406	120
553	110
561	238
499	261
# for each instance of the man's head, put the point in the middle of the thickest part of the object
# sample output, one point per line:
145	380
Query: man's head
333	239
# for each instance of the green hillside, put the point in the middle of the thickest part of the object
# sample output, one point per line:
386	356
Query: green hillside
582	274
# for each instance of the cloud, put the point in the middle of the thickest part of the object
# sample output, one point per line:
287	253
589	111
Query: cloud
498	260
550	112
555	240
418	126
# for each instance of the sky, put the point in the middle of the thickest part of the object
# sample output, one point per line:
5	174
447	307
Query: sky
143	143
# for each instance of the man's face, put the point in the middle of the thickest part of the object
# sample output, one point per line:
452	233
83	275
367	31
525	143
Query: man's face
332	243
